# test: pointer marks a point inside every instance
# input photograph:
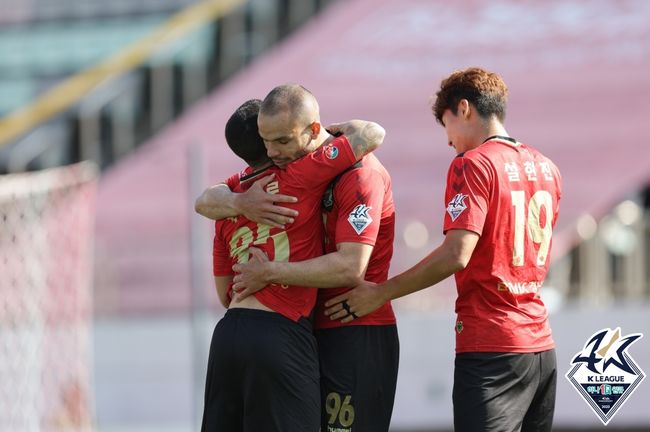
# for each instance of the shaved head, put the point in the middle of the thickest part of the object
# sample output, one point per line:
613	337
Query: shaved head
289	123
293	100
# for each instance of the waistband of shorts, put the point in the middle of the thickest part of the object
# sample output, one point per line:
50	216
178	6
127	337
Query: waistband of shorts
268	316
495	354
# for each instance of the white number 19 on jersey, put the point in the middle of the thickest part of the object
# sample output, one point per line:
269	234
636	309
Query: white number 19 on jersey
539	234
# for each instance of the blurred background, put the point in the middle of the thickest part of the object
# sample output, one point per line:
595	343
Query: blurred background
112	117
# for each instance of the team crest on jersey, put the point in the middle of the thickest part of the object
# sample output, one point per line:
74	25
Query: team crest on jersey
604	373
331	152
360	218
456	206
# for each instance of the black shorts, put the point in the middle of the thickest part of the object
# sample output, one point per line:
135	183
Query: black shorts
504	391
262	375
358	377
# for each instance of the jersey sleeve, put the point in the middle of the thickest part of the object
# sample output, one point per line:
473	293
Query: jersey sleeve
359	196
467	196
221	263
319	167
232	181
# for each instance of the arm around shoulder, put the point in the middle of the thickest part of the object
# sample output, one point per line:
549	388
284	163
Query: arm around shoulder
364	136
216	202
219	202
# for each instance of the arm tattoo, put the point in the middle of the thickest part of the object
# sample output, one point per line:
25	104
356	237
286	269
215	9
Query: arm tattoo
365	139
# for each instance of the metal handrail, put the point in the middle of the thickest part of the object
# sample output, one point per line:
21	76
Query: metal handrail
69	92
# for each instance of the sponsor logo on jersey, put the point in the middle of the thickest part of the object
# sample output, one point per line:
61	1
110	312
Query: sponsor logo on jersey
331	152
456	206
519	287
359	218
604	373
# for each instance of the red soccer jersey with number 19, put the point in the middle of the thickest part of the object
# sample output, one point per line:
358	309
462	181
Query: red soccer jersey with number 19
508	193
306	178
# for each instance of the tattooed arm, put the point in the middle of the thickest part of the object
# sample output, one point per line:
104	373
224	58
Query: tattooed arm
364	136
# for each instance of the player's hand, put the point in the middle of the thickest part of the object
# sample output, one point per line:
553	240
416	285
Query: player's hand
345	128
260	206
359	301
252	275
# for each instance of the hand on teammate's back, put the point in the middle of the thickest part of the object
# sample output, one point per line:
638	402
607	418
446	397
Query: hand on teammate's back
260	206
251	276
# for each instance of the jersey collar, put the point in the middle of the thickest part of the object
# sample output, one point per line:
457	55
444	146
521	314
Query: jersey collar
504	139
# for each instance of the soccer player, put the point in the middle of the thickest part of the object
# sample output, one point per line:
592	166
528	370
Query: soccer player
358	360
263	365
501	205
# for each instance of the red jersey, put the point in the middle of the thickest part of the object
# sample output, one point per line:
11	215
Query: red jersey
306	178
508	193
362	212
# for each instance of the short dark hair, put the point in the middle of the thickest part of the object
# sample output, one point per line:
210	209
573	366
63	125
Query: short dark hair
242	135
485	90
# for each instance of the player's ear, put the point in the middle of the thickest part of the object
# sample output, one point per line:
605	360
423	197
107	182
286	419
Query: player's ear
464	108
315	129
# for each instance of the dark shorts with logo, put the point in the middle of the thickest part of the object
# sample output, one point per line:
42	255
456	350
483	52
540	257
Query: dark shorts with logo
358	377
504	391
262	375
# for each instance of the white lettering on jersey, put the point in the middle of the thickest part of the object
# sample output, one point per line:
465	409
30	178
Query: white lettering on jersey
512	170
456	206
530	170
546	170
359	218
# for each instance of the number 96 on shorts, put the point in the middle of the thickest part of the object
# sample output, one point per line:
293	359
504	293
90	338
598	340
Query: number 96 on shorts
340	412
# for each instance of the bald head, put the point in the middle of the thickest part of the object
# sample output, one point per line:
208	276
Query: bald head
292	100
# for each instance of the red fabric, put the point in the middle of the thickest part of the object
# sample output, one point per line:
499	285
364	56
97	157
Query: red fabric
233	180
363	196
508	194
306	179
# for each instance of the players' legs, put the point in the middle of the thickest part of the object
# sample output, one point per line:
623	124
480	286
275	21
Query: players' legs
493	391
540	414
281	381
223	404
358	377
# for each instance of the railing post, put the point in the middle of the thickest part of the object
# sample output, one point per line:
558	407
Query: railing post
194	82
595	272
122	123
162	96
634	268
264	26
90	146
231	42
